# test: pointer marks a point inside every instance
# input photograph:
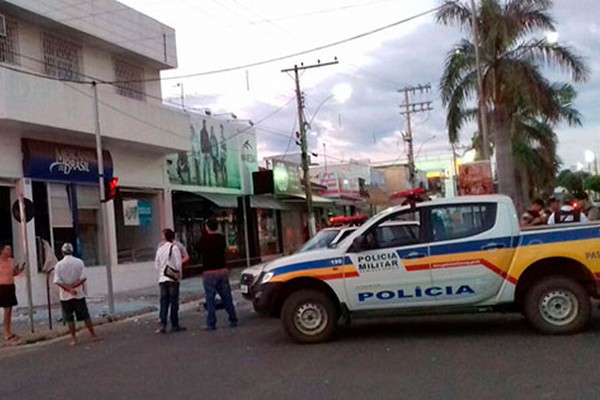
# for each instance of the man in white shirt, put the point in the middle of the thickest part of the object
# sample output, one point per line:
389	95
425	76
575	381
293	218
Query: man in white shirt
69	276
168	264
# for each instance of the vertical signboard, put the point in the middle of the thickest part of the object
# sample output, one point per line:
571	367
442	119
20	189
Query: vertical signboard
475	178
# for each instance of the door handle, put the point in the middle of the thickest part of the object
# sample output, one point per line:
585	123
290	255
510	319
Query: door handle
414	254
492	246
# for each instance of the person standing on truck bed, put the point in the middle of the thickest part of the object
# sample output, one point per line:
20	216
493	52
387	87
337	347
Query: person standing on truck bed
590	210
535	214
567	214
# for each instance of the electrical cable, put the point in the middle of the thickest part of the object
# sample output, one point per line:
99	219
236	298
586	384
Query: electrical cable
280	58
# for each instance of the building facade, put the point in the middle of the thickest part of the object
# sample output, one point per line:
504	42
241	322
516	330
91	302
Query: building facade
51	54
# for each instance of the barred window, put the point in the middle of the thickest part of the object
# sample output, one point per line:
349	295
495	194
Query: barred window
62	58
8	43
129	80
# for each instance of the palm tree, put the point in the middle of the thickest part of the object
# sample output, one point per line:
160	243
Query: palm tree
534	144
511	63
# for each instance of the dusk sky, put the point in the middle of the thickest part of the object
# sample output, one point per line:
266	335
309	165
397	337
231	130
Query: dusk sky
227	34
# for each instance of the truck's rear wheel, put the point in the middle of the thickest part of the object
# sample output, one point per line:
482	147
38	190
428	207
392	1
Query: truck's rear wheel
309	316
558	305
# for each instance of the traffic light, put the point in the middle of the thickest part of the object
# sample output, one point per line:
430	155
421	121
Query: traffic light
110	188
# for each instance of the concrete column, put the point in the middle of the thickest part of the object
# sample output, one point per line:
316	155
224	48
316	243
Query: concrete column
166	209
112	232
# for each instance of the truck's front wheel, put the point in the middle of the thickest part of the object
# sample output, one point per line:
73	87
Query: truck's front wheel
309	316
557	305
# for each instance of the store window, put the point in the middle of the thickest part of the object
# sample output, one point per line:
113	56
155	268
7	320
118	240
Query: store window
9	43
138	227
75	217
62	58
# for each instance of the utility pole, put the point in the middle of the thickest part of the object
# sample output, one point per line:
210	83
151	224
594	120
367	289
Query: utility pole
412	108
107	255
312	228
483	125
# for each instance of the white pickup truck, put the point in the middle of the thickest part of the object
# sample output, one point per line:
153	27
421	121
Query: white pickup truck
469	255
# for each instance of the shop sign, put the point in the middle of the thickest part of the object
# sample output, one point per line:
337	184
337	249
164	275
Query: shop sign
62	162
332	181
286	178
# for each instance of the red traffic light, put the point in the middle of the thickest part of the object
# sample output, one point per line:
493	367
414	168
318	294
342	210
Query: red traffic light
111	187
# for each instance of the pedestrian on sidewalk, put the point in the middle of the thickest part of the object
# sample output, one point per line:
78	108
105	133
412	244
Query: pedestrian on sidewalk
69	276
8	297
168	264
215	276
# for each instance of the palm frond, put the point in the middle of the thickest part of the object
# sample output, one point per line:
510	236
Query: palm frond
459	62
454	13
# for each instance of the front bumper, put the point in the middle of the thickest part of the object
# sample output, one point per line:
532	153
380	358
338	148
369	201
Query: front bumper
265	298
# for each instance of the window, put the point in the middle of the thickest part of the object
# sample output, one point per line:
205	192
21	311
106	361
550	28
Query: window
129	80
455	222
397	230
8	43
62	59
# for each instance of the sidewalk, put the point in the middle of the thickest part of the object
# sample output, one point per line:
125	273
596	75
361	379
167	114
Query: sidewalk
129	304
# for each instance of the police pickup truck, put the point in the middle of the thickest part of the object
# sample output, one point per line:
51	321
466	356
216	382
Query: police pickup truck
467	255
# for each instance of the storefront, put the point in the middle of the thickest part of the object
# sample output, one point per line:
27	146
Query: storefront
65	192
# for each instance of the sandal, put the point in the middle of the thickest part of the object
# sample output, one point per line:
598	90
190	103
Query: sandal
11	337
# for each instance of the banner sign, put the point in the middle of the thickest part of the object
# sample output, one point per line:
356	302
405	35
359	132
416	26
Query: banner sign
137	212
62	162
131	215
145	212
475	178
222	154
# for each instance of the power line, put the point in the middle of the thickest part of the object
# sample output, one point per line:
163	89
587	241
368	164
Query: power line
272	60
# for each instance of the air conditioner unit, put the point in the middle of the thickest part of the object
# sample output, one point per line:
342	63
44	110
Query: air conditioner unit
2	26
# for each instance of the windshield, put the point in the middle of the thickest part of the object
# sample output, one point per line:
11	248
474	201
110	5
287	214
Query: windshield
321	240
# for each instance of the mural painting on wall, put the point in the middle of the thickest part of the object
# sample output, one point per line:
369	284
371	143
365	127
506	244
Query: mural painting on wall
220	152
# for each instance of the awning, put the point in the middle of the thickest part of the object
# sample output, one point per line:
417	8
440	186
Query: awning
267	202
317	200
220	199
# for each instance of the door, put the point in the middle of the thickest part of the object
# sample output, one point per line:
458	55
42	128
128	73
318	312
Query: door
470	252
392	262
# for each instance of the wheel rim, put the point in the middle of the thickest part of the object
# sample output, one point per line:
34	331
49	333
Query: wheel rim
559	307
311	318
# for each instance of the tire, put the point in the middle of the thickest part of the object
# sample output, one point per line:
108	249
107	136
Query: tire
558	305
309	316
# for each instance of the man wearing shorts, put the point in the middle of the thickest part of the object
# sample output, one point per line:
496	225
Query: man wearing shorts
8	298
70	277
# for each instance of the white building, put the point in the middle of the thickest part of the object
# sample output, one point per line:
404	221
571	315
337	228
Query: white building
47	133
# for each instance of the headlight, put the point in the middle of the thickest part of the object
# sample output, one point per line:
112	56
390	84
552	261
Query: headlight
266	278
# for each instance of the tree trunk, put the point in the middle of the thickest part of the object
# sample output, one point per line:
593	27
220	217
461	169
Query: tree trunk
504	160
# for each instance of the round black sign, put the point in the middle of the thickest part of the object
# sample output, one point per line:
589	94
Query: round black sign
16	212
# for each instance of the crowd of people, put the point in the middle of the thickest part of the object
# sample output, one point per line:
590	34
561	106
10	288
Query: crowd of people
171	256
554	212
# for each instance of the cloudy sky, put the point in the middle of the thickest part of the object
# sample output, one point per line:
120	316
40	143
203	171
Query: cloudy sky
213	35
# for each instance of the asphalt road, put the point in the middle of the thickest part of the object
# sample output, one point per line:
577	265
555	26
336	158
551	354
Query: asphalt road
459	357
